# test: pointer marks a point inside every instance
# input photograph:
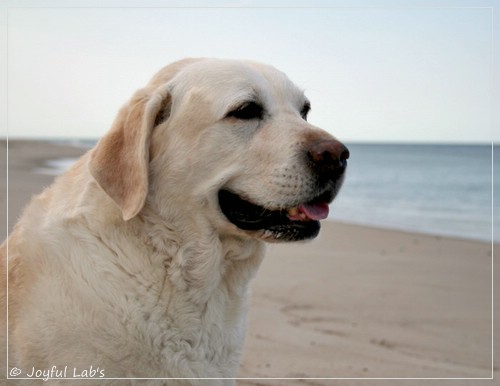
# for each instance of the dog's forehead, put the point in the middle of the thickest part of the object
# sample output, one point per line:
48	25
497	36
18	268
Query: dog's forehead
233	80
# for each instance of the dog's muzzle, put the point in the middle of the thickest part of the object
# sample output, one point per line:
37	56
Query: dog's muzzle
327	162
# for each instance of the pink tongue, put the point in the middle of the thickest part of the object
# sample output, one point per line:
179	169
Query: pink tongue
315	211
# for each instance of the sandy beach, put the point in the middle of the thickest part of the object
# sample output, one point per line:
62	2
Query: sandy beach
356	303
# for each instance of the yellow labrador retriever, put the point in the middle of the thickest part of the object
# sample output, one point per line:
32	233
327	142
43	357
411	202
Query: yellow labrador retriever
137	261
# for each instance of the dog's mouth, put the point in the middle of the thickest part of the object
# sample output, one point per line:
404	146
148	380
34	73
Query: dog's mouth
300	222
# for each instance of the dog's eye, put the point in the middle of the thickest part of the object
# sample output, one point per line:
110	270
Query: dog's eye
305	110
247	111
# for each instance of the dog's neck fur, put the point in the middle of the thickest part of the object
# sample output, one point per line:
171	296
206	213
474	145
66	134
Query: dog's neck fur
208	275
199	260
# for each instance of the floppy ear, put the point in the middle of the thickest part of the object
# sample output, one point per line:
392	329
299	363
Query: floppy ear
120	161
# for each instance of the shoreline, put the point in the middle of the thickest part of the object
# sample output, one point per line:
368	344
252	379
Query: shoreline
358	302
51	156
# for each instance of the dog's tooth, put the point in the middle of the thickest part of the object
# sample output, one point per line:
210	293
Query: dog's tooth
293	211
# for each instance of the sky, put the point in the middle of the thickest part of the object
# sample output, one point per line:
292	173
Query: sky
375	71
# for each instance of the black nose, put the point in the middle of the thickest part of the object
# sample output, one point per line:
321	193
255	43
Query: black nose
328	157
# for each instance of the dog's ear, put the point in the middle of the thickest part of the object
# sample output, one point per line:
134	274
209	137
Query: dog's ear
120	161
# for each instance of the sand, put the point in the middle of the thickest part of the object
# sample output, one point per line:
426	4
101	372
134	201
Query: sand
356	303
24	158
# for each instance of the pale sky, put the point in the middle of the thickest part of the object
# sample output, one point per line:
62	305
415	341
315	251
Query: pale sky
383	71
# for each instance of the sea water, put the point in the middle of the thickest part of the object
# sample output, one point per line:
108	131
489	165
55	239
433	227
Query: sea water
437	189
443	190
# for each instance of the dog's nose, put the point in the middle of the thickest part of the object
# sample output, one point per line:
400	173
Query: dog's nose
328	156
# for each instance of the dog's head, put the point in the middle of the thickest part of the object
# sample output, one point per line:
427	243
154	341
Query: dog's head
227	142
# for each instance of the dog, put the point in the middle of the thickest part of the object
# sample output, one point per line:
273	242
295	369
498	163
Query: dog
136	262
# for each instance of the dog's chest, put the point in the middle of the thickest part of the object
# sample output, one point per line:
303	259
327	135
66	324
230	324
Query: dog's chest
179	316
206	339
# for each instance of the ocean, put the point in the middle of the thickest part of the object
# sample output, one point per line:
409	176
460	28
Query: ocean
443	190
